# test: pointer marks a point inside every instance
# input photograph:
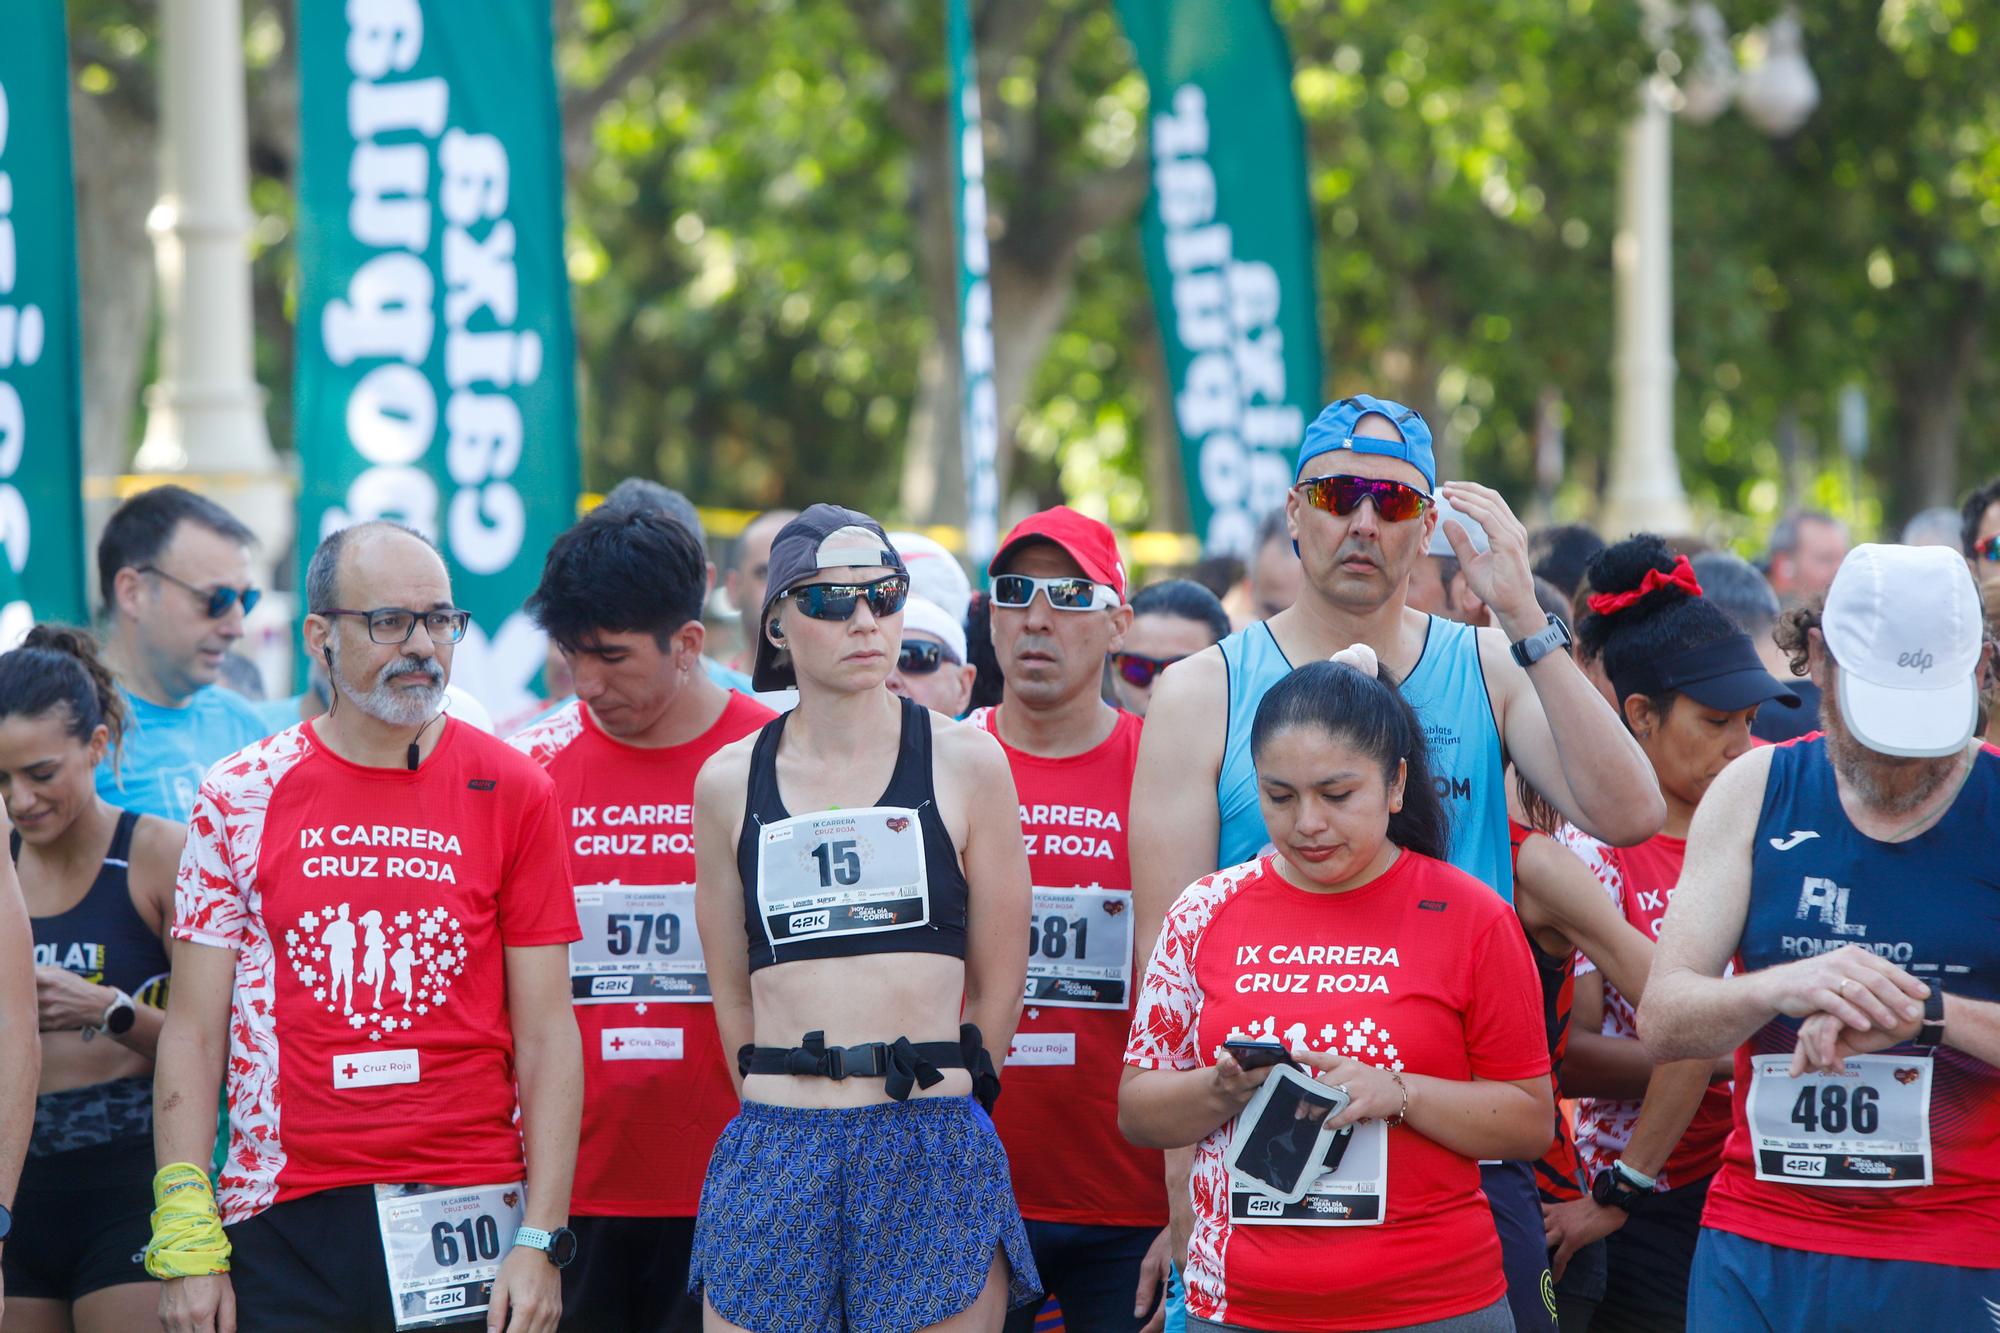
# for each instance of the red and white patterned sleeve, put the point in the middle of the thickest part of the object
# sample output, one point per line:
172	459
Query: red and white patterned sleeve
1163	1023
1597	856
210	906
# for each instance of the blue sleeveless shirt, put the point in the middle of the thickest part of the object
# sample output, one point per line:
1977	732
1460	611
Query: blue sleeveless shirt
1447	688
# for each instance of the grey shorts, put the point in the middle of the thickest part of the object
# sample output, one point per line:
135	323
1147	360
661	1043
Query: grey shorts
866	1219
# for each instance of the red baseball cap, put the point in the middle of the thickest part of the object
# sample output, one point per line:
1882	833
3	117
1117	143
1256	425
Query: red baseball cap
1084	539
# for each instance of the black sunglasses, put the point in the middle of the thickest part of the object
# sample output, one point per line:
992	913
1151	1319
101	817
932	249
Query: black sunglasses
836	601
1139	669
921	657
219	599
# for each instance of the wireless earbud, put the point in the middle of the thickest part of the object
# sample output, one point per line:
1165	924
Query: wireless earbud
777	632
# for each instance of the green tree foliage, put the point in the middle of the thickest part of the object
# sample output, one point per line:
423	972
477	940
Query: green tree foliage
760	240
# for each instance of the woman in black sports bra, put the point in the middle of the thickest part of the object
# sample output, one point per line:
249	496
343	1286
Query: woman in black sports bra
98	883
862	892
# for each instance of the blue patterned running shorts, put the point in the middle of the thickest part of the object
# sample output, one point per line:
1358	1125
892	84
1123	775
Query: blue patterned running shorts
869	1219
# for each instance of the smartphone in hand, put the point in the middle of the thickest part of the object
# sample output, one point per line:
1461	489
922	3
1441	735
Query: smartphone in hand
1260	1054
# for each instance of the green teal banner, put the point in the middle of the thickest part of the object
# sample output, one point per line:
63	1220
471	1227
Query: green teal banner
1229	252
435	364
979	415
41	408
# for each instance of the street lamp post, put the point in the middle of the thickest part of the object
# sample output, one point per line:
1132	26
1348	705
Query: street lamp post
1776	95
205	415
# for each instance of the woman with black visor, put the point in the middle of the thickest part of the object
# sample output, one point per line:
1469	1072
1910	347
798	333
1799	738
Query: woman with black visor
863	897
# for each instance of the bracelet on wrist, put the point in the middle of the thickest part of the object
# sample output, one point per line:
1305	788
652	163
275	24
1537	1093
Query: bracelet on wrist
1403	1113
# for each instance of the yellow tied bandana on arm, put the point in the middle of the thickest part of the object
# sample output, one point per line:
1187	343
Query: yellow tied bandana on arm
187	1230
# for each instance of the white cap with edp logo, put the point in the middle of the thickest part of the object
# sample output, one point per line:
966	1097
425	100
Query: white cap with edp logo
1904	625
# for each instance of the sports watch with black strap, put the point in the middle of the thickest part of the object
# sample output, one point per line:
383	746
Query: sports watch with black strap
1621	1186
1930	1035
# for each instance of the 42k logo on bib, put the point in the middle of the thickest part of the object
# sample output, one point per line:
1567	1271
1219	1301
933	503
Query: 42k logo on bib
381	973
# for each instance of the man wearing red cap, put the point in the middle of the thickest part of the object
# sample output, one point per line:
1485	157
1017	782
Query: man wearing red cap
1094	1204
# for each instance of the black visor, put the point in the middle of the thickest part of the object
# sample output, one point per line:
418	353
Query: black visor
1726	674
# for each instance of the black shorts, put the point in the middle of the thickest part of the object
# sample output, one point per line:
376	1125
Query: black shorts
81	1221
315	1265
630	1274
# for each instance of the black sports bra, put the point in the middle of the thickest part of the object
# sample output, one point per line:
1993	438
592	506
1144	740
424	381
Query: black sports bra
842	883
103	938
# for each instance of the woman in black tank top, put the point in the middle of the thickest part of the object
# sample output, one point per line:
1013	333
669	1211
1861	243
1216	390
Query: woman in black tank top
98	884
862	893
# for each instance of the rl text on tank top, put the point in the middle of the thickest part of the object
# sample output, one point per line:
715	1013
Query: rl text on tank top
103	939
1447	688
874	893
1931	905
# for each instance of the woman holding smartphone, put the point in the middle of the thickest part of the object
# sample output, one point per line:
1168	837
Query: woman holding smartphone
1393	978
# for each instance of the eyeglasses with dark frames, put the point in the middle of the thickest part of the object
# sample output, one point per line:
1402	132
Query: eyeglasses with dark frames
218	599
395	624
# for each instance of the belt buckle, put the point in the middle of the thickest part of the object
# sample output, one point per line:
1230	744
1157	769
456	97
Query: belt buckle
833	1063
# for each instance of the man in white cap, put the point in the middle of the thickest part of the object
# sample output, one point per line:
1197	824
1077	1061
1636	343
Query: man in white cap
1851	877
931	667
1438	585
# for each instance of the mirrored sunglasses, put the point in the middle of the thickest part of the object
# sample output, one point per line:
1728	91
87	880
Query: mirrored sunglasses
921	657
1341	494
1064	594
836	601
1140	670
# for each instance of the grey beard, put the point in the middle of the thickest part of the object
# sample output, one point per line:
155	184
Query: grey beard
1887	784
400	707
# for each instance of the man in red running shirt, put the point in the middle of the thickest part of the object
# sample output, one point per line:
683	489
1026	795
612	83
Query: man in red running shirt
621	597
369	949
1095	1205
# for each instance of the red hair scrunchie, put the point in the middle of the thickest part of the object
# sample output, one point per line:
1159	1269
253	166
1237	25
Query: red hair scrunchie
1680	576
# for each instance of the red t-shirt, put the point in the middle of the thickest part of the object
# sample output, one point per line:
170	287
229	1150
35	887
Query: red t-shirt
1422	971
1641	881
656	1079
1059	1119
368	908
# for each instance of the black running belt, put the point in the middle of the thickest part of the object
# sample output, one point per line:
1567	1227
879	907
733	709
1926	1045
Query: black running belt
902	1064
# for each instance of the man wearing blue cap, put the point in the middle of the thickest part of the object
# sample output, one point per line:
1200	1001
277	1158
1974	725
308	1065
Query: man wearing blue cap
1363	511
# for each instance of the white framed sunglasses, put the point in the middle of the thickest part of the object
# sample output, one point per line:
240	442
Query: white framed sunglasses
1064	594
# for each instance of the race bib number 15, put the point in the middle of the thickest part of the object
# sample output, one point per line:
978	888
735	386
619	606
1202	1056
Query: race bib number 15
841	872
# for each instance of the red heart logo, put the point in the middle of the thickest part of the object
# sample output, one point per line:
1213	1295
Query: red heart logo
897	823
511	1197
1113	906
1907	1075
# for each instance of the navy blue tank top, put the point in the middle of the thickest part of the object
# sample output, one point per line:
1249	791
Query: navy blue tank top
103	939
1930	905
884	879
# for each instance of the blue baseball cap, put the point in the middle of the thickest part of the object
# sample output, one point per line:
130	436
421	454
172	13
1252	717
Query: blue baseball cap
1333	429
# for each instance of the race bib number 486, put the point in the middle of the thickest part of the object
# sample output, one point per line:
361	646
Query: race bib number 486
1867	1128
841	872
